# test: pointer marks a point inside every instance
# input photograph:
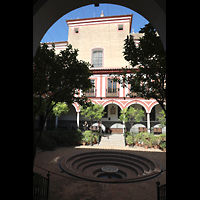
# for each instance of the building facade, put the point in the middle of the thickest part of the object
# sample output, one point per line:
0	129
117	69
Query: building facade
100	42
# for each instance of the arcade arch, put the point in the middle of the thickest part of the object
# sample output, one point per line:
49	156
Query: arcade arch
136	102
113	102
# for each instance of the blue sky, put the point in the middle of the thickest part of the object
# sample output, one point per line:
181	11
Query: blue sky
59	30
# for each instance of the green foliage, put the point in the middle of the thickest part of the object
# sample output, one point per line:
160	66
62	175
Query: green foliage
154	139
127	133
92	111
134	115
139	137
123	116
131	115
147	139
87	137
146	142
57	138
60	108
163	144
129	139
148	79
57	78
162	137
162	118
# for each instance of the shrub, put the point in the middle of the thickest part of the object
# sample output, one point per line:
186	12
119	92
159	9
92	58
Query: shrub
146	142
163	144
87	136
129	139
46	143
154	140
139	137
57	138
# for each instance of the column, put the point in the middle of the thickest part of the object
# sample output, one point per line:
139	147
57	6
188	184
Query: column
56	124
77	119
148	122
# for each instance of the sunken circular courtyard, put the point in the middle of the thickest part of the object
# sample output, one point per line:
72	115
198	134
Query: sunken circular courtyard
110	167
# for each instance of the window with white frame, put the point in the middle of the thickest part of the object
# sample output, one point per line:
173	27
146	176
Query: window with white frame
97	57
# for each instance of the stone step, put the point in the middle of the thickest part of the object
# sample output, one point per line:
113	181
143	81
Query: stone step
113	140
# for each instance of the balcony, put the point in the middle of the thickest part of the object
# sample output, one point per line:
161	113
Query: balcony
91	93
112	92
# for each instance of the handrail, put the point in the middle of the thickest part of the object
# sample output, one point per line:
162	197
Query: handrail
161	191
40	186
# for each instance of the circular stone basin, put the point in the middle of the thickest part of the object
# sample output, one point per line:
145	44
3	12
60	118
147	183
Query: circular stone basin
107	175
110	166
109	169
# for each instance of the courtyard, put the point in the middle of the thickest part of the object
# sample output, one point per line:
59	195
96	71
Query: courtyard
66	187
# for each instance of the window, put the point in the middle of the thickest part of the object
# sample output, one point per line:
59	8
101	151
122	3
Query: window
76	30
112	88
91	91
97	57
120	27
112	110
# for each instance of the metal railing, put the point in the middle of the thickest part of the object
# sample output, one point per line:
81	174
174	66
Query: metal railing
161	191
113	92
40	187
91	93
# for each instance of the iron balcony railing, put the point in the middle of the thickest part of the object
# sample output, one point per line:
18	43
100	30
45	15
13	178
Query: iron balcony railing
112	92
91	93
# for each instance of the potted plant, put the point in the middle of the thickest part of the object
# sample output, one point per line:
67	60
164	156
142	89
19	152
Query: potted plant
146	143
154	141
163	145
129	140
139	138
87	137
136	141
84	141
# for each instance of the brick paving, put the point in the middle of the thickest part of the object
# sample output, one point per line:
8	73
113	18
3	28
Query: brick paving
64	187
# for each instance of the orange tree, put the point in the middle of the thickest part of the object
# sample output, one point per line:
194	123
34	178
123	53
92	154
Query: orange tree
57	78
148	77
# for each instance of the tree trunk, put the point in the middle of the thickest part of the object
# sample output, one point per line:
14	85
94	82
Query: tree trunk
56	122
91	132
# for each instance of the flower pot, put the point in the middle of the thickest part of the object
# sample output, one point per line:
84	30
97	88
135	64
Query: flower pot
155	146
164	149
83	143
146	147
140	145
